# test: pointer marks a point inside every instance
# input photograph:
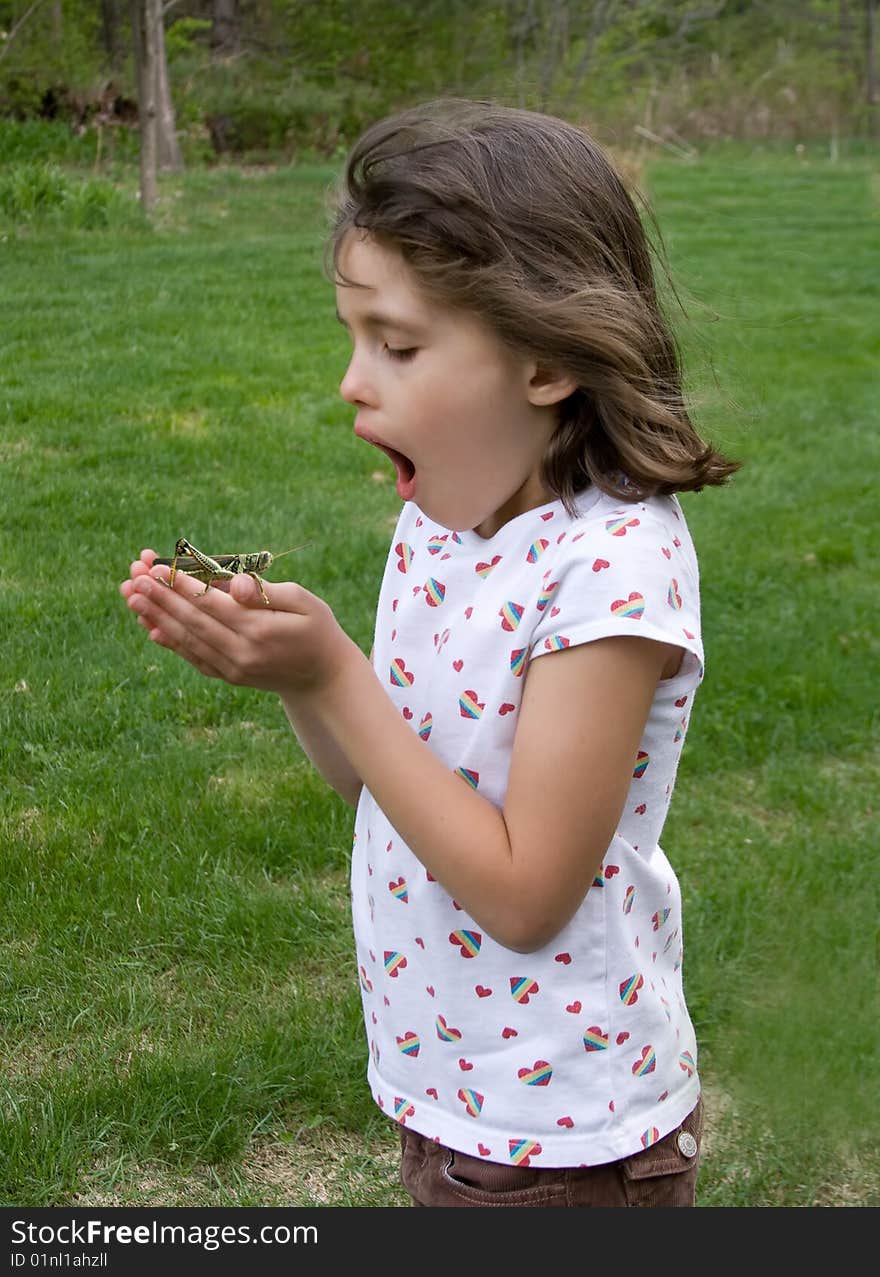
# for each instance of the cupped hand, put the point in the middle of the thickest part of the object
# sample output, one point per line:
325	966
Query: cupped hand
295	645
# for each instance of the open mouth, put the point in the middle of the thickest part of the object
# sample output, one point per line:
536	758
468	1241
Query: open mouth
404	467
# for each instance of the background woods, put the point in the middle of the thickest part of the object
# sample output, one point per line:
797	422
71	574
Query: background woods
283	76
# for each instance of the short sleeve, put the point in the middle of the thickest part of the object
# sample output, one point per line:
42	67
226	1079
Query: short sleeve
628	572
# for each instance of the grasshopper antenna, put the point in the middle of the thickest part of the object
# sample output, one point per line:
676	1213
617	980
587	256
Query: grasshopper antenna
304	546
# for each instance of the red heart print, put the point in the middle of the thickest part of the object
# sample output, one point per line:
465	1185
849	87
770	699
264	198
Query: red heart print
509	1033
599	564
611	870
394	603
506	708
621	1038
429	989
417	589
407	713
554	611
420	942
465	1065
481	992
468	613
432	1091
457	666
565	1121
641	809
548	515
664	1096
666	550
681	702
564	958
484	1152
611	1106
676	543
385	999
574	1008
373	1014
393	635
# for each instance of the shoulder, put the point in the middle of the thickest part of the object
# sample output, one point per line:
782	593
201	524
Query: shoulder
624	568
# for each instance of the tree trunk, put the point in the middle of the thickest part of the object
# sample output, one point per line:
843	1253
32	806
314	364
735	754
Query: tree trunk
169	155
225	29
873	81
144	61
159	146
110	35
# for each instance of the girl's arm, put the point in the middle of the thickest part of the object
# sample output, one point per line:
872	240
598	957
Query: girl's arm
320	748
521	871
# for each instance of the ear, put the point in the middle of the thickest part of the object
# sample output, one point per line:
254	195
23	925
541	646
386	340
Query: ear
549	385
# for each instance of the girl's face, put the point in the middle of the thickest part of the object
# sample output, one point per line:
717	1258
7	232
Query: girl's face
464	421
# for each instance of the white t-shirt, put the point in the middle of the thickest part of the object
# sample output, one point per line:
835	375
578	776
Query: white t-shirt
582	1052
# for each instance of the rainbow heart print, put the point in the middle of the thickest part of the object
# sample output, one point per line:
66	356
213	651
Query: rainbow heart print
631	609
521	1150
409	1044
522	988
538	1075
472	1101
435	592
511	614
595	1039
469	706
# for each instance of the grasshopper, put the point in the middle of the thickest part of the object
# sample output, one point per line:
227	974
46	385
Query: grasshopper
220	567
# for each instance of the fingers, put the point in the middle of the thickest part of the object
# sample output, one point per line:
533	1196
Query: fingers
140	567
184	619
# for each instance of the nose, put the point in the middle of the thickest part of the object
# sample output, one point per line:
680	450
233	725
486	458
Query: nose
354	386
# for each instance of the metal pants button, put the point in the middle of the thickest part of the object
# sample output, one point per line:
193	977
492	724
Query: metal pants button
687	1145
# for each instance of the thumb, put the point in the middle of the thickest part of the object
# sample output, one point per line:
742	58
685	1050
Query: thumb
245	590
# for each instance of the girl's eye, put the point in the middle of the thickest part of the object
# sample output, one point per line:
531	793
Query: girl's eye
401	353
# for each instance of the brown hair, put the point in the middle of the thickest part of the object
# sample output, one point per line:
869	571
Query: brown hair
521	219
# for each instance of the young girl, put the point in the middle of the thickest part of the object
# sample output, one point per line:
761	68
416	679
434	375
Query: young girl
512	742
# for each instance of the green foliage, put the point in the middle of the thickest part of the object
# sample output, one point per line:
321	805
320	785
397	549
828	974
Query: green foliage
183	36
38	141
44	194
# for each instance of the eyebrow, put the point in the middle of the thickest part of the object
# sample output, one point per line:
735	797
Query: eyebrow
377	319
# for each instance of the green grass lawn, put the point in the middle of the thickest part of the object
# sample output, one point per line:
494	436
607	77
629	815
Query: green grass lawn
179	1018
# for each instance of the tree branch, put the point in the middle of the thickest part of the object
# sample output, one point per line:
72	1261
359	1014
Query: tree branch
18	26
